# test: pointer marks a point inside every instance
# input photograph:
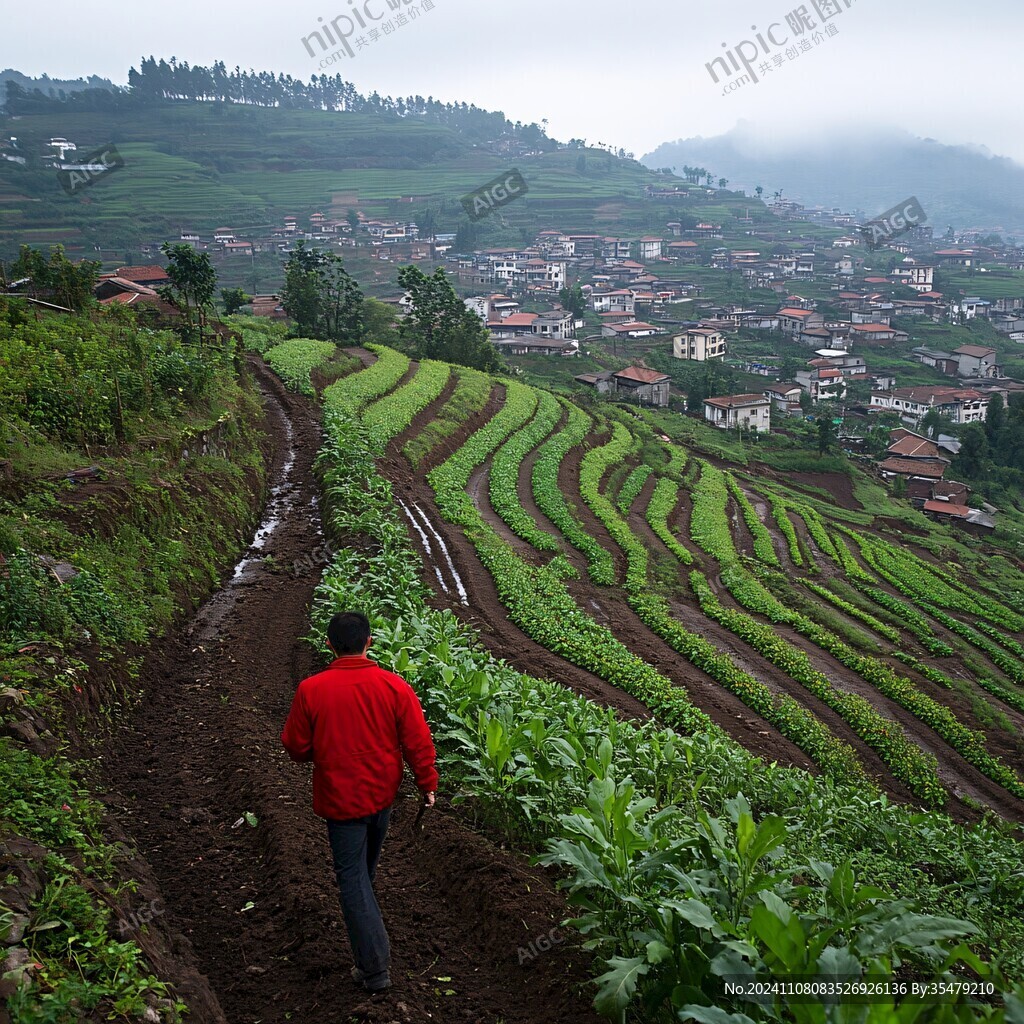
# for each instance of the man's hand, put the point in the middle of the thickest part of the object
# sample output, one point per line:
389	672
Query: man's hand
429	799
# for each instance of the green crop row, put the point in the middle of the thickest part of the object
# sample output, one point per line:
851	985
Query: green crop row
709	521
389	416
906	761
819	533
294	362
1013	667
970	745
912	619
351	394
781	516
536	598
472	390
504	478
1011	698
1001	638
764	549
889	632
923	582
659	508
552	502
449	480
632	487
793	721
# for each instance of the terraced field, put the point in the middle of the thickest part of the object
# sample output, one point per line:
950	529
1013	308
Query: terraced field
694	688
657	581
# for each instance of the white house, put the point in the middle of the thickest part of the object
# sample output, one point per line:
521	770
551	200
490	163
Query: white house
732	412
699	344
649	248
961	405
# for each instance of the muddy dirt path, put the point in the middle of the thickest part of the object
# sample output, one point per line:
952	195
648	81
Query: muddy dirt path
254	906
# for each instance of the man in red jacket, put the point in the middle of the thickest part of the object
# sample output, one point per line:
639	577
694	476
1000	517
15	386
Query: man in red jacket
357	723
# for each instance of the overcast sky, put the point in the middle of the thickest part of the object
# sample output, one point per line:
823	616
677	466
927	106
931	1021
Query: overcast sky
624	72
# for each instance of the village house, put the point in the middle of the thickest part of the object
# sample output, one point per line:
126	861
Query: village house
913	275
919	475
876	333
732	412
976	361
152	276
630	329
615	248
961	405
936	359
796	321
968	308
641	385
705	231
649	248
619	301
516	325
785	397
558	324
699	344
602	383
685	251
822	383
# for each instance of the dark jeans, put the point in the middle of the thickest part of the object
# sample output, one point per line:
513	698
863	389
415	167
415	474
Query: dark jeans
356	846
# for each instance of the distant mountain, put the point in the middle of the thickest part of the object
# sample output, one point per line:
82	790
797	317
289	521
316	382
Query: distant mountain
50	87
864	171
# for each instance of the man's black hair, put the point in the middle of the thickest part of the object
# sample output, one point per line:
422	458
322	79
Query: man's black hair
348	632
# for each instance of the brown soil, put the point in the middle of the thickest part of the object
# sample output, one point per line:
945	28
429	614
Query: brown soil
507	641
258	905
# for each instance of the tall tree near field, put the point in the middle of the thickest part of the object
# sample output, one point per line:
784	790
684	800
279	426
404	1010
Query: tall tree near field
440	326
234	299
826	434
995	418
573	300
56	279
321	296
974	452
193	282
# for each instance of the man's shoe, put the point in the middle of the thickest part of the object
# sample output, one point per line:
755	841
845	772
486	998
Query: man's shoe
380	983
357	975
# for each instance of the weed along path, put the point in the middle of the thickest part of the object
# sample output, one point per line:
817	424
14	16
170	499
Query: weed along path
199	782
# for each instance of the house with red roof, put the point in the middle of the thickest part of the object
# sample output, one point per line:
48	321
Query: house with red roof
793	320
151	276
641	385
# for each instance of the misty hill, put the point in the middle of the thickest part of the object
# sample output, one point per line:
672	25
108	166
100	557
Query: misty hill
50	87
203	147
864	172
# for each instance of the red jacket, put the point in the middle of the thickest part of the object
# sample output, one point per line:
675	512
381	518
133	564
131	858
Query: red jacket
356	723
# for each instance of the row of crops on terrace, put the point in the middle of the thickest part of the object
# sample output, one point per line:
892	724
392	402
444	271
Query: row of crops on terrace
690	861
530	421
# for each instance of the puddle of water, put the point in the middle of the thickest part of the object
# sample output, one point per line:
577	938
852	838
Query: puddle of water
282	497
425	540
463	596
